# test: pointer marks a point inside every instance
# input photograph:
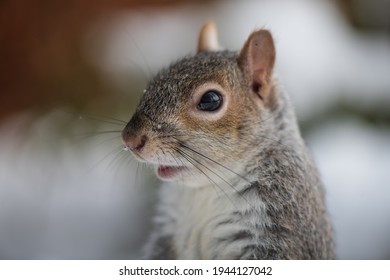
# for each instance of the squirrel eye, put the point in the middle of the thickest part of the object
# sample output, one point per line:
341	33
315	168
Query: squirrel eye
211	100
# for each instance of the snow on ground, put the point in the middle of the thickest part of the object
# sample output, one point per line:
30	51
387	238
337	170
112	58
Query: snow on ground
354	160
66	197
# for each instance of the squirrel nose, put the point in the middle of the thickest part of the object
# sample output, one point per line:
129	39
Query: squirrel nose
133	136
136	143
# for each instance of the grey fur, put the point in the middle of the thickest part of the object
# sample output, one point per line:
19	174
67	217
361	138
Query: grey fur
265	199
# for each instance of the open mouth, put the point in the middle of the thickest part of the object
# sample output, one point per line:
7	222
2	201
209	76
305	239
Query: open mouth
168	172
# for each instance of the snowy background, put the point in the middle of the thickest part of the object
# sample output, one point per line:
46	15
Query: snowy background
68	192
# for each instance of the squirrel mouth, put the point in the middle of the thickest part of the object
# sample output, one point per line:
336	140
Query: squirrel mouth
168	172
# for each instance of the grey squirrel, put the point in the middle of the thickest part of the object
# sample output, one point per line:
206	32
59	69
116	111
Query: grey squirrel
239	180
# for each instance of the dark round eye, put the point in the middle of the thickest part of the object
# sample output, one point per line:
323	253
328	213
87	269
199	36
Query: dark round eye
211	100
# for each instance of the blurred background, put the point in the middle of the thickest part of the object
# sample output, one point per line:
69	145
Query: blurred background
70	71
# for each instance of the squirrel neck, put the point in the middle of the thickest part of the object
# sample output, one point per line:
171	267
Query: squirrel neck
279	135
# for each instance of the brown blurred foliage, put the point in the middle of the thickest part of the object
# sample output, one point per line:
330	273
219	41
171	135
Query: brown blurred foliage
42	61
367	15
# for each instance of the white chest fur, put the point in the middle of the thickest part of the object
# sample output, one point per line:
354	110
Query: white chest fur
202	218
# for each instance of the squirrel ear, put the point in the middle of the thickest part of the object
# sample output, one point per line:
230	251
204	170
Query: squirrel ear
208	39
256	59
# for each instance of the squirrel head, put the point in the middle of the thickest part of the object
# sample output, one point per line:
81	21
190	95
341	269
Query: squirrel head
199	119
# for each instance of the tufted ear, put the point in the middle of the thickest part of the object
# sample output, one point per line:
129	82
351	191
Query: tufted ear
208	38
256	59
